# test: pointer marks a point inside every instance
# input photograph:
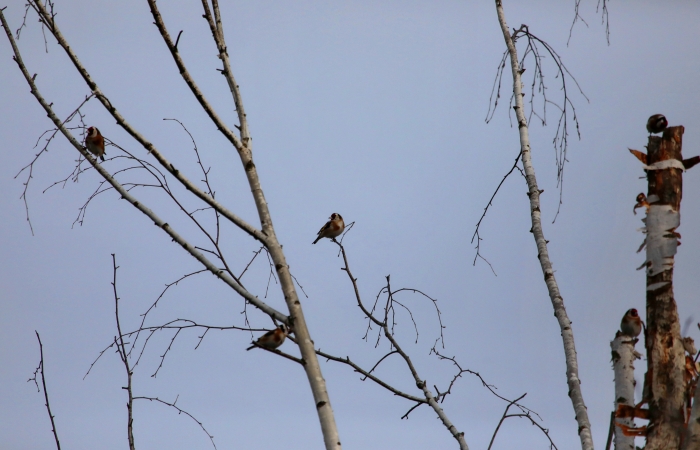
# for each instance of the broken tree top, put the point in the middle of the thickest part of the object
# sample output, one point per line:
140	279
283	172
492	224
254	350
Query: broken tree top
662	203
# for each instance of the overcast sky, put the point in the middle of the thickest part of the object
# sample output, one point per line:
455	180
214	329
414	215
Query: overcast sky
374	110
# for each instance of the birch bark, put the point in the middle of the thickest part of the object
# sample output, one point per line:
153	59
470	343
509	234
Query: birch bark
623	356
567	334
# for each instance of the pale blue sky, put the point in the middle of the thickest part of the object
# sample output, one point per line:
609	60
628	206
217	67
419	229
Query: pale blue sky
374	110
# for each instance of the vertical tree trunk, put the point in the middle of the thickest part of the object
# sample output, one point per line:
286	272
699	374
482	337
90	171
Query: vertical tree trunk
623	356
665	354
567	333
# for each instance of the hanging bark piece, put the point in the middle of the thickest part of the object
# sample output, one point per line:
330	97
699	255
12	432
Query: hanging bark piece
640	155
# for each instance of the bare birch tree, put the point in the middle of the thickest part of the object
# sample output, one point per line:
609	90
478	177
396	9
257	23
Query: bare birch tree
167	178
243	144
567	334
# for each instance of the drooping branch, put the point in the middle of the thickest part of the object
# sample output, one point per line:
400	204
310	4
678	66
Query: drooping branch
180	411
540	51
573	380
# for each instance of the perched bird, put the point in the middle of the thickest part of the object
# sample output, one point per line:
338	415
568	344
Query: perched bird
95	142
631	324
332	228
641	203
656	123
272	339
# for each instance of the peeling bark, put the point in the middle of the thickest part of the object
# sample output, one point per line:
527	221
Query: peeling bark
665	390
623	356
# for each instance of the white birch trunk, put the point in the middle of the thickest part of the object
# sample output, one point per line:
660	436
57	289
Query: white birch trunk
567	334
623	356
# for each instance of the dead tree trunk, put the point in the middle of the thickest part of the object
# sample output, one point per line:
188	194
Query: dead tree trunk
664	388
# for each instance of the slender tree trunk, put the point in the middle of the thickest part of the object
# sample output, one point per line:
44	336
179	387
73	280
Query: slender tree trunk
567	334
665	388
623	356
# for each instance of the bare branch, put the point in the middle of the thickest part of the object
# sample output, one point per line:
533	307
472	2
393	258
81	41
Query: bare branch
121	349
369	375
127	196
483	215
180	411
572	376
45	17
567	110
30	167
43	378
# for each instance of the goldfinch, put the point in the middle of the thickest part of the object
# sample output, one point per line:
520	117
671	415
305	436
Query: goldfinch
272	339
656	123
631	324
95	143
332	229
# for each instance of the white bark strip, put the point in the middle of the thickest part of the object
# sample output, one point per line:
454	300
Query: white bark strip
573	381
662	243
623	356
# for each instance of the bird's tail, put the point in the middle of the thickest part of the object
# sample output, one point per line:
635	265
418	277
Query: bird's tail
317	239
251	347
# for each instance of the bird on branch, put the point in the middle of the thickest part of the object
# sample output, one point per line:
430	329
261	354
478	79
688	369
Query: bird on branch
95	143
272	339
332	229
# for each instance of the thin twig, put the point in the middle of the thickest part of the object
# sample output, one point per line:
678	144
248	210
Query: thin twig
43	384
483	215
124	356
180	411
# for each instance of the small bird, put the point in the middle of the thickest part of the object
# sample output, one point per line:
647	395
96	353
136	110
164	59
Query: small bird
641	203
95	142
332	228
272	339
656	123
631	324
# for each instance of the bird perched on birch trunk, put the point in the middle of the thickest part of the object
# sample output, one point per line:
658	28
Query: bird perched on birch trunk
332	229
631	324
95	143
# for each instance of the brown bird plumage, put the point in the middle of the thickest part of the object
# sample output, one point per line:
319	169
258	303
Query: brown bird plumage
95	143
332	229
656	123
272	339
631	324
